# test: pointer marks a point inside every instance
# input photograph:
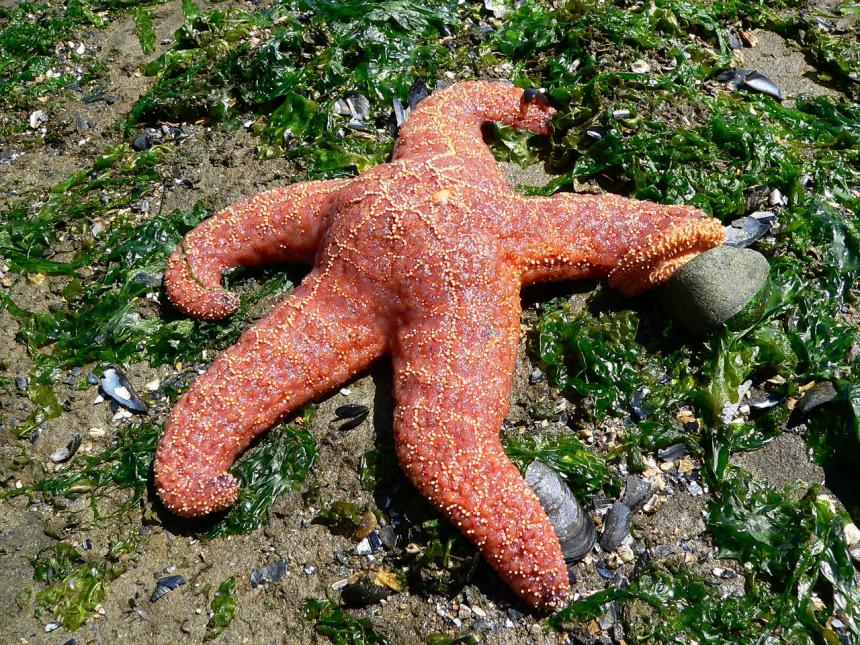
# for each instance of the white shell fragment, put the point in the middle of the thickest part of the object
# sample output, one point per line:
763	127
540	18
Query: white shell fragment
37	118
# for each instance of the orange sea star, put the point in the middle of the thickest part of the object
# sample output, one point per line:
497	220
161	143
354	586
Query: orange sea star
422	257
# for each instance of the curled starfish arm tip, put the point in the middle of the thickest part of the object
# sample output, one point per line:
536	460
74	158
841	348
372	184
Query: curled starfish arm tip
280	225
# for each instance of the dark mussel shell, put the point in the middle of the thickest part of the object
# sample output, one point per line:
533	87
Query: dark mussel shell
616	526
115	385
572	525
352	413
751	80
637	492
165	585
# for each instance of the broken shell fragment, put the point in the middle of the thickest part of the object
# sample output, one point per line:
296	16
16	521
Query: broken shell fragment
272	572
670	453
746	230
572	525
370	588
353	105
62	455
816	396
400	112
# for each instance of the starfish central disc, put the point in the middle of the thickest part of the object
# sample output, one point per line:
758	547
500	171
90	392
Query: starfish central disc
422	258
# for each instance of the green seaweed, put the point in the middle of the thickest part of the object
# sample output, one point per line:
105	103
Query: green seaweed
29	33
76	587
586	471
280	464
228	63
339	627
677	606
793	543
145	33
444	559
223	607
126	464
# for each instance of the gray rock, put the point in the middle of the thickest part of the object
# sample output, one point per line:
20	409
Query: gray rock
714	286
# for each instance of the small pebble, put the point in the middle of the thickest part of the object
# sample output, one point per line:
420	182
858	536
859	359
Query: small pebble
626	554
363	547
141	142
537	376
714	286
673	452
852	534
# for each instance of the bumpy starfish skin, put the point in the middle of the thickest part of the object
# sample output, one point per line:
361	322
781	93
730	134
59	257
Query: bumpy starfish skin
422	257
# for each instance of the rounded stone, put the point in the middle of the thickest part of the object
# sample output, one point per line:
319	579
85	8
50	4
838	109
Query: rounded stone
715	286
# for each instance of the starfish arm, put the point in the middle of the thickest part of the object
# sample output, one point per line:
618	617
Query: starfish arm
285	224
636	244
323	334
450	120
452	379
